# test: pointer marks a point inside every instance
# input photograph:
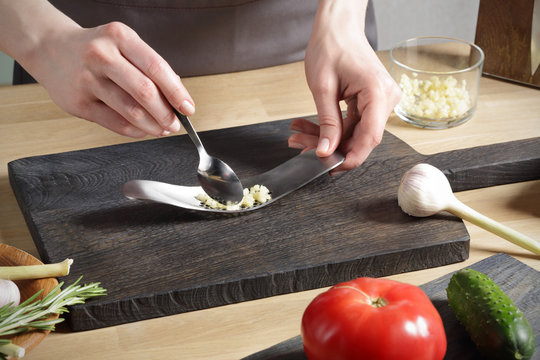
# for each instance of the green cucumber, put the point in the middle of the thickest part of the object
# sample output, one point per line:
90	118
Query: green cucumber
494	323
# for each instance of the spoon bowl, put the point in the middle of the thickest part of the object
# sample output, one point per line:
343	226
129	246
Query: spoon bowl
217	179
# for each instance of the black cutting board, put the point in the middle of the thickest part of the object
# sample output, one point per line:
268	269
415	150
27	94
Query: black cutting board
520	282
157	260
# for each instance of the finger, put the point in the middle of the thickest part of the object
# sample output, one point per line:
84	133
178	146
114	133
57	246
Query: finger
330	121
108	118
156	68
303	141
352	118
115	64
123	104
305	126
145	93
366	136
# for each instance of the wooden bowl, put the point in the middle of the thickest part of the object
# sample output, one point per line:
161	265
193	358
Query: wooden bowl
10	256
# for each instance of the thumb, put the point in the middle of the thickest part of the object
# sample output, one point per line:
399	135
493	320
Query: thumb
330	123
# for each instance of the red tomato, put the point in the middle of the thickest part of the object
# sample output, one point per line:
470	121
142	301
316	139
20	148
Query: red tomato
373	319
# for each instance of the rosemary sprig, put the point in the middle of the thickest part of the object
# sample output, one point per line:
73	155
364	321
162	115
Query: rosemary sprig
32	314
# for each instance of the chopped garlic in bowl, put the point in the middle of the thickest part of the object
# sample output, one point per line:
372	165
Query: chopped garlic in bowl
439	78
436	98
256	195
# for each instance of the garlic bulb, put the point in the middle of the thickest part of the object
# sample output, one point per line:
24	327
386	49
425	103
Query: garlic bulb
9	293
424	191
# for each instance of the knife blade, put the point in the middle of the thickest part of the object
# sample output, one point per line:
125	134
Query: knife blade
535	37
281	181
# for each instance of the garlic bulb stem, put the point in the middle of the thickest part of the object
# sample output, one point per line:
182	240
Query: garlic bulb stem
25	272
424	191
463	211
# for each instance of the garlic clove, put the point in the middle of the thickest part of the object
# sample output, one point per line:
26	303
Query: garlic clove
424	191
9	293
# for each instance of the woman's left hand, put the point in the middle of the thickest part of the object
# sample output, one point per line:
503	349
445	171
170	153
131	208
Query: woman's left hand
341	65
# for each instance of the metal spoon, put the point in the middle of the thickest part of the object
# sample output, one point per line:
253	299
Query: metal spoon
281	180
217	178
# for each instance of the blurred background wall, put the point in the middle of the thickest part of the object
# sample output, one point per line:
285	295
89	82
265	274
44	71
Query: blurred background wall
397	20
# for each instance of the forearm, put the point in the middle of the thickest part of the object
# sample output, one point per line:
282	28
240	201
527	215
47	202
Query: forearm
341	15
25	24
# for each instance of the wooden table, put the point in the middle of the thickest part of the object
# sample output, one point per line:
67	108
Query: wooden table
31	124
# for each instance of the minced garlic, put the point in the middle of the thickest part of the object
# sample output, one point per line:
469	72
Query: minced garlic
256	195
434	98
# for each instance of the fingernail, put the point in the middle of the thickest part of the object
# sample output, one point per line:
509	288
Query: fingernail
175	126
323	145
187	108
165	133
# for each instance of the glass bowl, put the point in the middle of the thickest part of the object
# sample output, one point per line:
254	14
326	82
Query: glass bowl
439	78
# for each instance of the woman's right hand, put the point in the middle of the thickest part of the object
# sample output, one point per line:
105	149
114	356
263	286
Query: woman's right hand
110	76
106	74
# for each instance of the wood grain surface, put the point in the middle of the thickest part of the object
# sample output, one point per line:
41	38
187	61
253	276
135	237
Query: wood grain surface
157	260
520	282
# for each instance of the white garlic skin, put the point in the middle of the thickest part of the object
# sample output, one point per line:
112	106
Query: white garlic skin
424	191
9	293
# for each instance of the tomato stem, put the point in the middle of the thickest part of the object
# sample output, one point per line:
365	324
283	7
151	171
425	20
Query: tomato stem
375	302
378	302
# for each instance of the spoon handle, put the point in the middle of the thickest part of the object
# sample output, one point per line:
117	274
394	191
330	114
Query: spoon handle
461	210
191	132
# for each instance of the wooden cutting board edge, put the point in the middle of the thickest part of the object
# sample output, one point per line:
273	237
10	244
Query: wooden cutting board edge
86	316
462	243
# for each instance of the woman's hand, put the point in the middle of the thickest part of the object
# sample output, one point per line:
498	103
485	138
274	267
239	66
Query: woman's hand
341	65
107	74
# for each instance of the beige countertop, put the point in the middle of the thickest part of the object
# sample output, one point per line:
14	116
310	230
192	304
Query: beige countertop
31	124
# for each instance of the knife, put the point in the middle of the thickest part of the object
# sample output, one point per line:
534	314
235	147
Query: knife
281	181
535	37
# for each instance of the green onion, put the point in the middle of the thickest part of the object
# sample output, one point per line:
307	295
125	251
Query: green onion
24	272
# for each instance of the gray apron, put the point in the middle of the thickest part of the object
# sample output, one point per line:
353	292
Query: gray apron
202	37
